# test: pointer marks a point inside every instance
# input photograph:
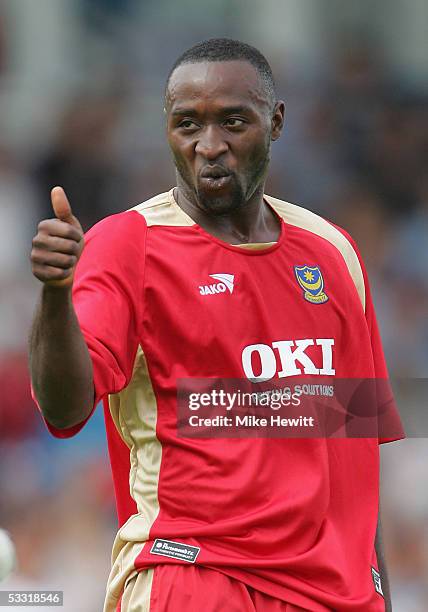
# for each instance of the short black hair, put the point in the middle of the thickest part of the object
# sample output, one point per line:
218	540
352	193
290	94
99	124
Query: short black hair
227	50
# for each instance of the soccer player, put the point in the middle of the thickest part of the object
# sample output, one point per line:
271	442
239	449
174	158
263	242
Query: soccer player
215	279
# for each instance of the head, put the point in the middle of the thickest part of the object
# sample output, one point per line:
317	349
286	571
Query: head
222	116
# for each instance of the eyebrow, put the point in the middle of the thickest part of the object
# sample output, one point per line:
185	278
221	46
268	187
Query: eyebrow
227	110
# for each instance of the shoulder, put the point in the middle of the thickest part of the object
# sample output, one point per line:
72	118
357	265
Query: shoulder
123	236
131	224
162	210
311	222
322	229
117	228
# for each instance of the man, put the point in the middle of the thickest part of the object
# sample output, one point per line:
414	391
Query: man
208	281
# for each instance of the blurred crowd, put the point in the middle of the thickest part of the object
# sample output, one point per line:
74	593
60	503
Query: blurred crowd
355	150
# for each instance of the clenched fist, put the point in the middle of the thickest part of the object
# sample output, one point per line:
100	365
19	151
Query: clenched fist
58	244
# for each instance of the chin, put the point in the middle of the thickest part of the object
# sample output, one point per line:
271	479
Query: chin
221	204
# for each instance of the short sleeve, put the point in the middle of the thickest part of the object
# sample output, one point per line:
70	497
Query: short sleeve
389	422
107	297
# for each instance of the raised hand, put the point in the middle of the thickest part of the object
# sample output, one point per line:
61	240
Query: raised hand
58	244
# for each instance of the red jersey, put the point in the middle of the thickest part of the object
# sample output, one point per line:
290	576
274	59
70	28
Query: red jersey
294	518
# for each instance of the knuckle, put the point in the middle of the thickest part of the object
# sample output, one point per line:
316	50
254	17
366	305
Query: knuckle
74	249
49	274
39	272
44	224
55	274
66	273
35	255
70	232
56	243
76	234
37	244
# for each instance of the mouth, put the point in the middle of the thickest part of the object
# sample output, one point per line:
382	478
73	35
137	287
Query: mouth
215	177
215	171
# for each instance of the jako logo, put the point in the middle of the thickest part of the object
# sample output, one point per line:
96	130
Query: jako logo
259	361
226	282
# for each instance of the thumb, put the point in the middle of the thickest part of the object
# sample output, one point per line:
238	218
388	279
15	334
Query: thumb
61	205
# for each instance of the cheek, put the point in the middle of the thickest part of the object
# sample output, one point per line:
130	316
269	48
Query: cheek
254	152
183	160
182	151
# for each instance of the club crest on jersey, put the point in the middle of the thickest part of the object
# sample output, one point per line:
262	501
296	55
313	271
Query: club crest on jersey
311	281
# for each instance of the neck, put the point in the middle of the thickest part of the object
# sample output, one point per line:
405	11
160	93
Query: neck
254	221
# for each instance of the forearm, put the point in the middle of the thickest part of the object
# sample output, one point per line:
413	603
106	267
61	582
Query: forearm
382	567
61	368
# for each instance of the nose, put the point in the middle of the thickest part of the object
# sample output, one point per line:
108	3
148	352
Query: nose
211	143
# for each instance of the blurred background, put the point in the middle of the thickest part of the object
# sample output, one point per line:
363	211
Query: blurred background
81	86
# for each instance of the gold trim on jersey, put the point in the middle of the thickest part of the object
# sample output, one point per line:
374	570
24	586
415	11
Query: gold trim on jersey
255	246
134	412
307	220
164	210
122	572
137	592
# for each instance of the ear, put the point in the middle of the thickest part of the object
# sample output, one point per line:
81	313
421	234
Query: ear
277	121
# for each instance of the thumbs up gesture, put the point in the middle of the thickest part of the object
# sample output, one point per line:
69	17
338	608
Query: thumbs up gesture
58	244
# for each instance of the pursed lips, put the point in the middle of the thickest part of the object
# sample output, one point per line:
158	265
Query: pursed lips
214	172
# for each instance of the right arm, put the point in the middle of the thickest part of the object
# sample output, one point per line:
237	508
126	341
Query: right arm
60	365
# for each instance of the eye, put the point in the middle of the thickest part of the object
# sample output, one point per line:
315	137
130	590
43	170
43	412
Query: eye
234	122
188	124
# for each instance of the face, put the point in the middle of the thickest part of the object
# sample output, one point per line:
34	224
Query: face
220	125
